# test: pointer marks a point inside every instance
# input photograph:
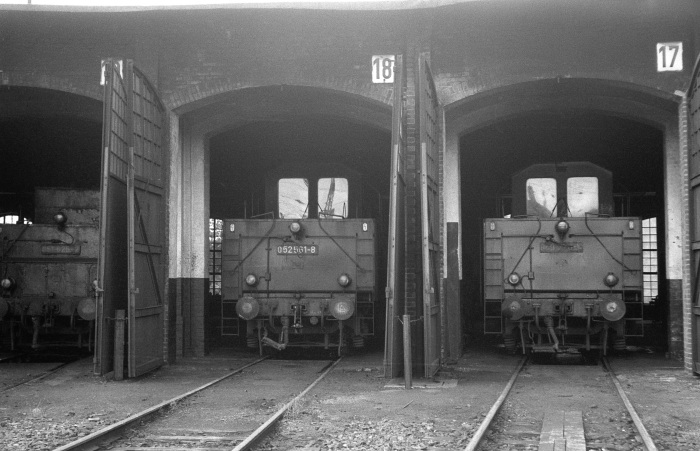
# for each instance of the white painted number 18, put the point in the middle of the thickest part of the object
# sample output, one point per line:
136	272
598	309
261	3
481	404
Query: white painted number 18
669	56
383	69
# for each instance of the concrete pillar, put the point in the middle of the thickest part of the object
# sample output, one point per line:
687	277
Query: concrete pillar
677	277
189	242
452	255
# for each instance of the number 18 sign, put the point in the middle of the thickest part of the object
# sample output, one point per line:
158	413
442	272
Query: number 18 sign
383	68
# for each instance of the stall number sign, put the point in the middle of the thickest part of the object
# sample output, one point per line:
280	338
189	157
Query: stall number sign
669	57
120	64
383	68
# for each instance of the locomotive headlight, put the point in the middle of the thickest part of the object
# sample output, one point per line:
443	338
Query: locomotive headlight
7	283
295	227
342	309
514	278
251	280
247	308
561	227
611	280
313	320
344	280
60	219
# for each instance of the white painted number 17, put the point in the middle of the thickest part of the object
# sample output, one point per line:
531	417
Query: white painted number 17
669	56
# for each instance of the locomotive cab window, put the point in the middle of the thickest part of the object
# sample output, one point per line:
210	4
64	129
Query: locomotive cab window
541	197
293	198
582	196
333	198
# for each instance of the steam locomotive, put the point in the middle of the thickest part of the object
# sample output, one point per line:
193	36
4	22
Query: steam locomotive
47	271
304	274
561	270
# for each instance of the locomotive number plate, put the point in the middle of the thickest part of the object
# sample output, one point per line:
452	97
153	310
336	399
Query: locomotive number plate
552	247
297	249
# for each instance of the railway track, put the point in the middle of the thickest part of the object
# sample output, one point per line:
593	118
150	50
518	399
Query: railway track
548	407
231	412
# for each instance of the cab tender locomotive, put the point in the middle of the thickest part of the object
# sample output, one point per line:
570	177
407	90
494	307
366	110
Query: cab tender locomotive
304	275
561	269
48	271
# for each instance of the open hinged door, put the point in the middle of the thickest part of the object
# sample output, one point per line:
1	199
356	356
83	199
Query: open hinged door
146	225
395	289
693	104
430	116
112	273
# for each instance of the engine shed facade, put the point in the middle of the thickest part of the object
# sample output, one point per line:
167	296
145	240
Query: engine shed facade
515	83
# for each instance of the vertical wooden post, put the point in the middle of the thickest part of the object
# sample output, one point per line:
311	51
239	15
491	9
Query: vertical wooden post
407	362
119	345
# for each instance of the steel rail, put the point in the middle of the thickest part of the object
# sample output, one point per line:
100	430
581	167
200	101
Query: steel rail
88	440
38	378
646	438
474	442
264	428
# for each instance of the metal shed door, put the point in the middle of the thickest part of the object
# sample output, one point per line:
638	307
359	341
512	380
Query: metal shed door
693	105
146	225
395	289
112	276
430	139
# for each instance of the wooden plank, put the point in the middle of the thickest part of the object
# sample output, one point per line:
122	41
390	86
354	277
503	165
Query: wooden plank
552	431
573	431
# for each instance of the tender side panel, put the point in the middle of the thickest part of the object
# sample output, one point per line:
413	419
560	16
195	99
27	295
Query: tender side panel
592	249
253	246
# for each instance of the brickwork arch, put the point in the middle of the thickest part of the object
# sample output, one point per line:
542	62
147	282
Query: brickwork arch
29	101
68	84
634	102
215	111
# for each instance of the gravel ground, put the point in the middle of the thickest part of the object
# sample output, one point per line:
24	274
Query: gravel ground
356	408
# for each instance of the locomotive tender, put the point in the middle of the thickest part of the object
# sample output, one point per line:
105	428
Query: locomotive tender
561	269
304	275
48	271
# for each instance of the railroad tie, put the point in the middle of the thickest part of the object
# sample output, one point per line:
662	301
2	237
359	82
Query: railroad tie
562	431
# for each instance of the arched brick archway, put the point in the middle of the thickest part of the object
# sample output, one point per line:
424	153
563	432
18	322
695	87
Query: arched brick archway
569	97
193	98
46	82
31	101
192	126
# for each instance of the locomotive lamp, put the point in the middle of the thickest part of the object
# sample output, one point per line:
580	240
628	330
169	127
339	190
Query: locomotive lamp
7	283
344	280
561	227
60	219
611	280
295	228
342	309
514	278
251	280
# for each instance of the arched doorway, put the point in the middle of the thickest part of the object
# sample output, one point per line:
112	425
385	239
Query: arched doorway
631	131
228	146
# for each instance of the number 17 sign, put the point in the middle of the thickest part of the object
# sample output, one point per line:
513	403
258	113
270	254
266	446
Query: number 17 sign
383	68
669	56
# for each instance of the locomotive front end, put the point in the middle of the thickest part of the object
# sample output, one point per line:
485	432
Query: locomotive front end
562	274
305	283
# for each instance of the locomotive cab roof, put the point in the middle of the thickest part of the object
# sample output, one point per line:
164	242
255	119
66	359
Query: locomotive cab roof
571	189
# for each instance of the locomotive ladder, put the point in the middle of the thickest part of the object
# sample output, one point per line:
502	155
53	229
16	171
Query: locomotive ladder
493	284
